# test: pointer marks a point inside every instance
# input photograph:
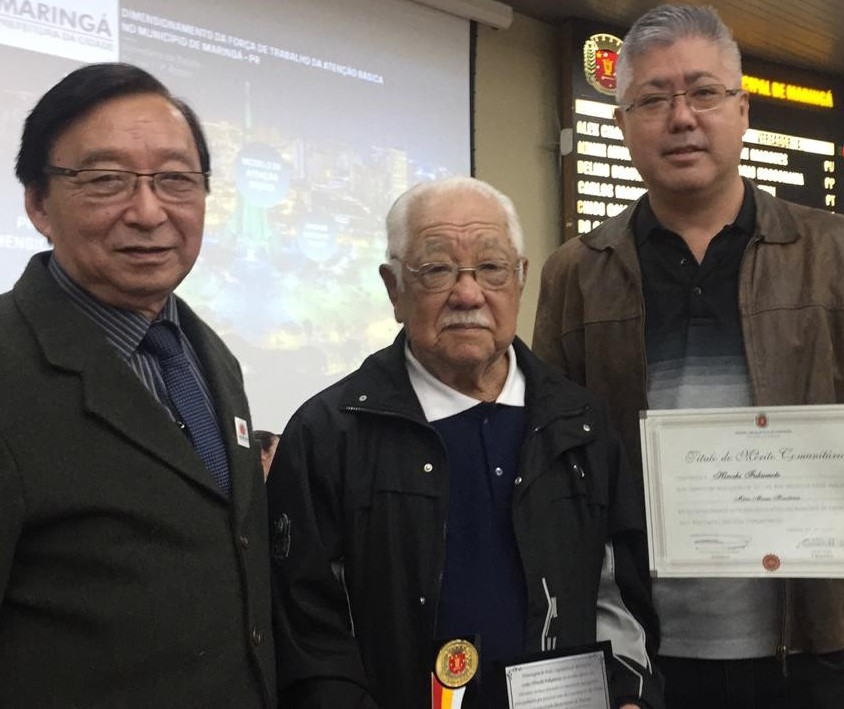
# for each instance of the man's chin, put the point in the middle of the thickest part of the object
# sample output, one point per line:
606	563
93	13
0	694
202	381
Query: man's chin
468	354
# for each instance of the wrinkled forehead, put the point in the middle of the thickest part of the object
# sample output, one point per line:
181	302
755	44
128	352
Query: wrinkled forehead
474	242
110	128
458	219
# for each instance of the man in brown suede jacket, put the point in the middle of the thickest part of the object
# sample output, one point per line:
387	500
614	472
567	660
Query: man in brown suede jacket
663	306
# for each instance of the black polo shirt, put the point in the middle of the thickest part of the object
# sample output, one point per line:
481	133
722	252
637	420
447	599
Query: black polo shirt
693	339
696	359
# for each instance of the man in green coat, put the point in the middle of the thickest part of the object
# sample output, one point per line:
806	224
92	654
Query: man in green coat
133	554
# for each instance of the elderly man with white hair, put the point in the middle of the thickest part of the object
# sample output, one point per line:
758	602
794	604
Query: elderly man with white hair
453	488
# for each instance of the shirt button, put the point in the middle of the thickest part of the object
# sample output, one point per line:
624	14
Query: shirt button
684	261
587	427
362	397
499	472
257	637
697	290
421	600
244	541
427	467
518	481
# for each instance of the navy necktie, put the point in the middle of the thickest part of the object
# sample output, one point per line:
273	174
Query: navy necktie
187	398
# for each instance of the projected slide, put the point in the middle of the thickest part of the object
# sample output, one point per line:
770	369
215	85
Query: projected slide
318	115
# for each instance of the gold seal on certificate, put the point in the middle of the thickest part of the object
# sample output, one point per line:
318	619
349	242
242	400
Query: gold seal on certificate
770	562
456	663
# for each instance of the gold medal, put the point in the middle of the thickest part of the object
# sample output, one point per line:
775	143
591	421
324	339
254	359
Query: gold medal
457	663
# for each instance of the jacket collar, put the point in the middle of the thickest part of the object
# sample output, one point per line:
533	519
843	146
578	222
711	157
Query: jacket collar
382	385
617	234
774	224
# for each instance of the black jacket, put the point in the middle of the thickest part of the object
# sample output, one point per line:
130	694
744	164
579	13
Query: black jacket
358	501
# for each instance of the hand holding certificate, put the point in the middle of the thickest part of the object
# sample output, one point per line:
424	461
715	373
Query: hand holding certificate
745	492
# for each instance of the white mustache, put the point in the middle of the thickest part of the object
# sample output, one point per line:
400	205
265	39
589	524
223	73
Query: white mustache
466	317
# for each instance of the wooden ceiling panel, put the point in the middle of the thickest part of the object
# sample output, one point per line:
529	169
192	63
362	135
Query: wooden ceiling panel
802	33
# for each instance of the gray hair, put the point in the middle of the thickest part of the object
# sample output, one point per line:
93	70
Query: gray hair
662	27
399	216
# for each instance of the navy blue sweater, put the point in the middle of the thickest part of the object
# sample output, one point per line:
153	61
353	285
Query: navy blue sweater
483	588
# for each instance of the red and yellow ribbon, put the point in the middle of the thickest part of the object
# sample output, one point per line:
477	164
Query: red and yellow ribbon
444	698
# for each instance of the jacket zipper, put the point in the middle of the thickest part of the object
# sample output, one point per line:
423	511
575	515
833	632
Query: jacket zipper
568	414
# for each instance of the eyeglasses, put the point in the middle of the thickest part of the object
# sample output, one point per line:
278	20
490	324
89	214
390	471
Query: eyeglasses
698	98
169	186
439	277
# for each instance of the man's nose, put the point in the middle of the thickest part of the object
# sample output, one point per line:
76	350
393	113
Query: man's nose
145	207
466	290
679	110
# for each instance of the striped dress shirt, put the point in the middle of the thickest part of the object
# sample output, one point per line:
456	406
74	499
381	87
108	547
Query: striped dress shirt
124	330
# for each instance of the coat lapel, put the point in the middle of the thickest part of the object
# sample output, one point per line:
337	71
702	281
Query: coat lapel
111	391
226	385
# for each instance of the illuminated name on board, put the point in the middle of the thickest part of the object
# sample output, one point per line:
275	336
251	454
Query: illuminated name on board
783	91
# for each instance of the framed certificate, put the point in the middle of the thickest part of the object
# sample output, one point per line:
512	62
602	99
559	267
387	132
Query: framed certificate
756	491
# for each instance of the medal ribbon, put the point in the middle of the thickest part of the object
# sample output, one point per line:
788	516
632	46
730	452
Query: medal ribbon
444	698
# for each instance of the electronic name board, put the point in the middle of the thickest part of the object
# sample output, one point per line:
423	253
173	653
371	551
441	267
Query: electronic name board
793	148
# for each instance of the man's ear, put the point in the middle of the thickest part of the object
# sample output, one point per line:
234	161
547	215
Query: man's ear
36	211
619	116
744	108
392	285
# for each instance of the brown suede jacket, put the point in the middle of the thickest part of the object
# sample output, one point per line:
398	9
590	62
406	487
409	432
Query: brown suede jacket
590	323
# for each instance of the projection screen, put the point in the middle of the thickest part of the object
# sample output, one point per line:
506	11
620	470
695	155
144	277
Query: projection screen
318	113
